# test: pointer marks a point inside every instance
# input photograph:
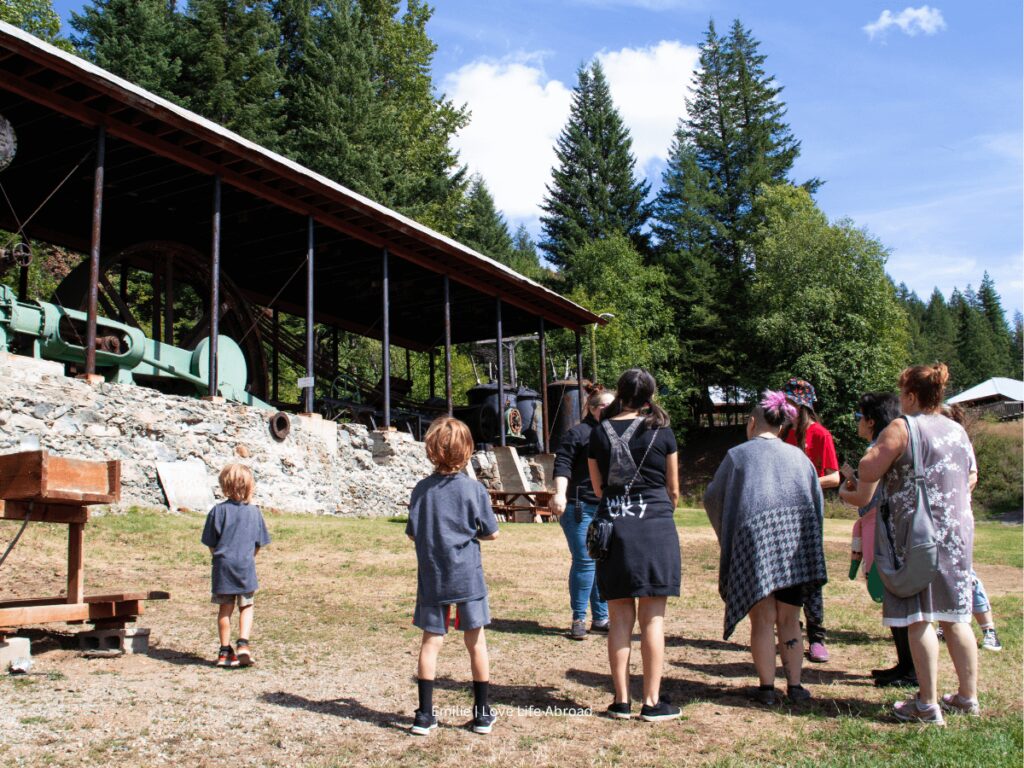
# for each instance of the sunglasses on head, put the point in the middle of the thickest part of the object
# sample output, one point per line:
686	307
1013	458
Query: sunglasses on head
857	415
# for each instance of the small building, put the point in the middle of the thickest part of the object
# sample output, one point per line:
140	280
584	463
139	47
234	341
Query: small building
999	396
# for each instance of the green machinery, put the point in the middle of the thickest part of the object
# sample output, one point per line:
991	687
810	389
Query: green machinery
123	353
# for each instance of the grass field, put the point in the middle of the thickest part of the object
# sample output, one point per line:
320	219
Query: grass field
333	685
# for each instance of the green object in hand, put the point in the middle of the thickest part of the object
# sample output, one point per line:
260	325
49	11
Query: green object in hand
854	567
875	587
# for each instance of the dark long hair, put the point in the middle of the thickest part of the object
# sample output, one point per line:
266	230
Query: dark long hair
882	407
635	391
804	418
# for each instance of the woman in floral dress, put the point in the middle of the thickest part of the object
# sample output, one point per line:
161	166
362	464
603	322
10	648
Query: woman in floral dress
947	460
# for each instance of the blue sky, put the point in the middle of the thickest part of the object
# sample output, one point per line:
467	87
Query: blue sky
912	114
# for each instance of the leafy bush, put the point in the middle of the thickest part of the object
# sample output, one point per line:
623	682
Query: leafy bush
1000	452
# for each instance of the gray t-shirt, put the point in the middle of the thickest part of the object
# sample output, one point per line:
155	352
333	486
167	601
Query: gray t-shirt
234	530
446	514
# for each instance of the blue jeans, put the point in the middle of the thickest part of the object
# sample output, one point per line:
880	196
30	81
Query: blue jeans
979	598
582	584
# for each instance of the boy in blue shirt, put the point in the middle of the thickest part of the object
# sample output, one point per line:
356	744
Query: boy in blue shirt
449	515
234	532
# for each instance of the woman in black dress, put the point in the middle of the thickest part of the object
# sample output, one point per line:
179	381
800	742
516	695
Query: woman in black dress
643	566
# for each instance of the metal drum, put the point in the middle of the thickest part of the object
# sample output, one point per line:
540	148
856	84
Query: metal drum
528	401
564	403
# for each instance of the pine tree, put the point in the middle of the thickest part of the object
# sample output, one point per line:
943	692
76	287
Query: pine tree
36	17
991	307
978	357
482	227
525	259
1018	346
938	332
594	192
136	39
231	67
914	309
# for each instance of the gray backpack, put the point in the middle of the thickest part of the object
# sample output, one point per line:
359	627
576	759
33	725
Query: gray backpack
914	537
621	467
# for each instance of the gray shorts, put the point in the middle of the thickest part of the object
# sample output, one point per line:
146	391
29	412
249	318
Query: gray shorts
436	618
242	601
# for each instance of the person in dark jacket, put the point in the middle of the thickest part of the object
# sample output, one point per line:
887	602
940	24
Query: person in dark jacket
575	504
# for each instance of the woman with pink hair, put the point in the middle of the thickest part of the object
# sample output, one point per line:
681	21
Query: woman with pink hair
766	506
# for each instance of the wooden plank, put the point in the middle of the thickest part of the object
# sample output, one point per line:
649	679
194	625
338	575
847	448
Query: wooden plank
41	512
70	612
21	474
30	601
121	597
88	478
76	566
35	475
510	471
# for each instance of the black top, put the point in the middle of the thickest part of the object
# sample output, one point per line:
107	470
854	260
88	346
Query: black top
571	461
652	472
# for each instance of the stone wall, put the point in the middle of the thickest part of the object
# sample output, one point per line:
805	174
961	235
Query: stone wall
318	468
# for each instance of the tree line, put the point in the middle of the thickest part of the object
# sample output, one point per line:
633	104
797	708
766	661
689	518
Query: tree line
730	276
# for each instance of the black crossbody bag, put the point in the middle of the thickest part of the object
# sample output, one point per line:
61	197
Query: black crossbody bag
602	529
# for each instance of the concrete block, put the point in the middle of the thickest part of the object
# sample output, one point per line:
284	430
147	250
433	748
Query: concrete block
324	429
133	640
14	648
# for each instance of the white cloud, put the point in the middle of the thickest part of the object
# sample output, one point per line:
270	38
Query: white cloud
648	86
517	115
518	112
911	21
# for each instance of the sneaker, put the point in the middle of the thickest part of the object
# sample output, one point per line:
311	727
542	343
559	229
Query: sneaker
954	702
620	710
940	634
895	671
990	640
663	710
818	653
245	655
483	719
797	694
578	630
599	626
767	696
910	711
423	723
226	657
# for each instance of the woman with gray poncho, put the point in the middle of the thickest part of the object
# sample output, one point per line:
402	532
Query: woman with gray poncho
766	507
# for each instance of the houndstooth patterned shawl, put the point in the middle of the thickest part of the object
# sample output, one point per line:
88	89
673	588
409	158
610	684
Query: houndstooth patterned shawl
766	507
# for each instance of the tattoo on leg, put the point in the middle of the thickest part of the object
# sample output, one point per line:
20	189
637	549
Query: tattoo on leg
792	643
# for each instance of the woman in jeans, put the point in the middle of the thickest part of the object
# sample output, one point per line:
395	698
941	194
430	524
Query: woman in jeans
574	503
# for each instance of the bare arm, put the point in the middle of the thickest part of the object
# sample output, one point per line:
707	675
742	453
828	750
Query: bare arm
489	537
876	462
829	481
972	480
595	478
672	478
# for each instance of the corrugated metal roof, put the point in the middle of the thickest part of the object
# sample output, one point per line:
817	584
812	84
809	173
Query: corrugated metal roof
1010	389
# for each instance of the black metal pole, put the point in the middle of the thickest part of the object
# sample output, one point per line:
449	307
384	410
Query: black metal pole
274	356
308	399
544	384
214	286
334	353
433	370
23	284
169	299
579	372
386	325
501	374
448	346
94	251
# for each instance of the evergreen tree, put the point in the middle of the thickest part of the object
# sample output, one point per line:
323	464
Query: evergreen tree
36	17
137	39
914	309
231	67
1018	346
525	260
594	191
938	332
481	226
991	307
977	354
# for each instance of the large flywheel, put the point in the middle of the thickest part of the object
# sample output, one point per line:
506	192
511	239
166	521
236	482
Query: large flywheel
163	288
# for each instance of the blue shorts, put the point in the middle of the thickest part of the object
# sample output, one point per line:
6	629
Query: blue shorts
435	619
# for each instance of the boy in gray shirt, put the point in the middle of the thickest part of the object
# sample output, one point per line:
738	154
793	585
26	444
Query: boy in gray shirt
234	532
449	515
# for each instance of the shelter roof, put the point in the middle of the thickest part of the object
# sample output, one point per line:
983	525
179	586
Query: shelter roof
997	387
160	162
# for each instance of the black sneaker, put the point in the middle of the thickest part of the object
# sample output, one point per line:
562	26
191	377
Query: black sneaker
578	631
663	710
599	626
620	710
896	671
797	694
483	720
423	723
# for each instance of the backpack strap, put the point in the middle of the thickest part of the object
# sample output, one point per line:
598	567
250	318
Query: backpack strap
914	441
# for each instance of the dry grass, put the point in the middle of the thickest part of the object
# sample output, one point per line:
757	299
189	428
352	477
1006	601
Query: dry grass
334	681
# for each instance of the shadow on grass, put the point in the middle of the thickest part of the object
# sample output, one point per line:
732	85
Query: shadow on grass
540	696
733	669
180	658
704	644
850	637
682	692
523	627
350	709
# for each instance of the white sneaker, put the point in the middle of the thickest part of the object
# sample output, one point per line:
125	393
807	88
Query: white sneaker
990	640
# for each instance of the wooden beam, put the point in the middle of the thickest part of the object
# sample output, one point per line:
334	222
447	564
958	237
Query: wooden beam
41	512
76	562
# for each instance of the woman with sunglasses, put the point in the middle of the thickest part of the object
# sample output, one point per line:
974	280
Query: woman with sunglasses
574	503
875	410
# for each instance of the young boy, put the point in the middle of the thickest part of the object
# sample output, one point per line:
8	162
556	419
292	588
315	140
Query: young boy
234	532
449	515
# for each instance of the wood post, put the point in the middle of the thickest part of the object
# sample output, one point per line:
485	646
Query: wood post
94	251
214	288
76	565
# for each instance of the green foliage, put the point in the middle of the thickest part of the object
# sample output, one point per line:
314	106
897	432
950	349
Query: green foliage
136	39
823	308
481	226
594	191
999	449
1017	349
979	355
37	17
